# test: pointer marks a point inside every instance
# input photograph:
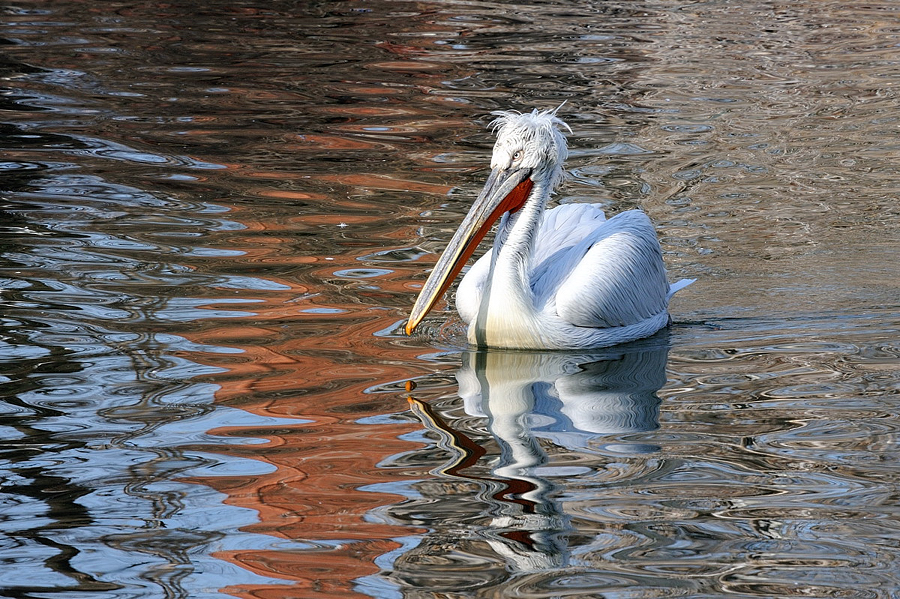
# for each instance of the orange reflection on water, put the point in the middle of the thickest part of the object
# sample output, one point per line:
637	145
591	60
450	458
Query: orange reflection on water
310	357
319	333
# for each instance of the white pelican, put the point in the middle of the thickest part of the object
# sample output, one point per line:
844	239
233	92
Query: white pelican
564	278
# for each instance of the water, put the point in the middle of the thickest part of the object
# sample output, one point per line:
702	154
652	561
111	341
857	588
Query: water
215	220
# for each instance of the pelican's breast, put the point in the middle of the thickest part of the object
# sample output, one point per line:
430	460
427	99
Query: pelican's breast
471	288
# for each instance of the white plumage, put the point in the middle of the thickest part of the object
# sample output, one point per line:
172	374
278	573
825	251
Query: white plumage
564	278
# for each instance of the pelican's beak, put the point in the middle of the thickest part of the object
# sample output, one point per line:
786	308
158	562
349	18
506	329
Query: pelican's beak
505	191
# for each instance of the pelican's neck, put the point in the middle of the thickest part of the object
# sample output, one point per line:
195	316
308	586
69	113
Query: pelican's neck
516	236
507	305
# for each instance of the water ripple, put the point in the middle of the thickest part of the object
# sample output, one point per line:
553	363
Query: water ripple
213	227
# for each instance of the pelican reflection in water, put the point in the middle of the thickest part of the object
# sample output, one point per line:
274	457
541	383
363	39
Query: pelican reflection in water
565	278
571	401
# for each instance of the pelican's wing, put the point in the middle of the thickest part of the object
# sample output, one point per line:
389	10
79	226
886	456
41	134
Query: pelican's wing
563	238
620	278
565	226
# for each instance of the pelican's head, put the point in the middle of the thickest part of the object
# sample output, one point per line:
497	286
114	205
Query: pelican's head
531	141
530	149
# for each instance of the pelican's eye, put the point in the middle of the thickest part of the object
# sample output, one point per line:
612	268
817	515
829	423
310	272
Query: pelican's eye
518	156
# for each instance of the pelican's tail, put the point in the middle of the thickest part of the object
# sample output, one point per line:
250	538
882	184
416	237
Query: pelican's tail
674	287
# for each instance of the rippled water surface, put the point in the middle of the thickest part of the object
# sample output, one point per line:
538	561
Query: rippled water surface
215	216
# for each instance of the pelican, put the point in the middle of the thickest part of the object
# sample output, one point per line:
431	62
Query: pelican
564	278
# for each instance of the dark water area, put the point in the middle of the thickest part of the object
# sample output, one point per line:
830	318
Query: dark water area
214	219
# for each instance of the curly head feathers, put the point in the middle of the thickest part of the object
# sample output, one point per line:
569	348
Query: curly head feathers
531	140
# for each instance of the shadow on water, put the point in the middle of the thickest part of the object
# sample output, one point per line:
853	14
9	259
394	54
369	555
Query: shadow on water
534	405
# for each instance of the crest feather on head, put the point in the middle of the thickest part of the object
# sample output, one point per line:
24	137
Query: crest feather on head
538	135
